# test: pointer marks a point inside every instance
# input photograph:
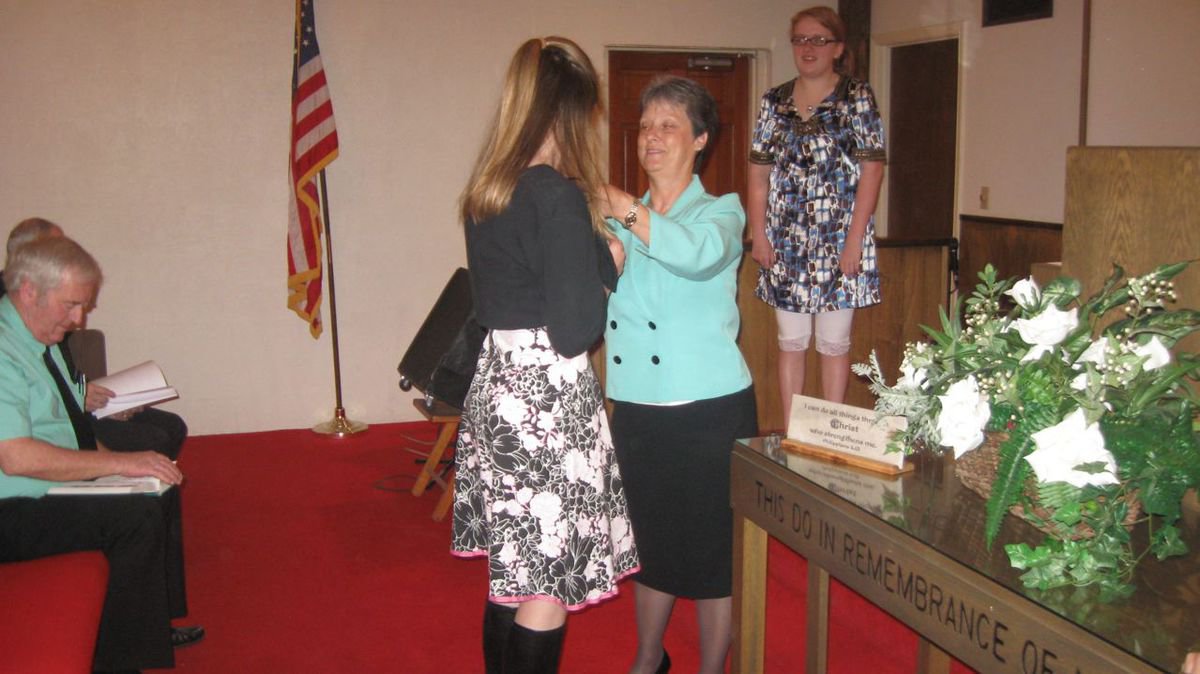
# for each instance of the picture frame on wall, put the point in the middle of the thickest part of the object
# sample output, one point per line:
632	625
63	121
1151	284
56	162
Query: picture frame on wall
999	12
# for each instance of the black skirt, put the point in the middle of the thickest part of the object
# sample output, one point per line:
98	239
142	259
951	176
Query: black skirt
674	462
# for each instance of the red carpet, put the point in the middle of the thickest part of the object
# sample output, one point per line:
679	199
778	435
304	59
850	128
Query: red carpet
298	562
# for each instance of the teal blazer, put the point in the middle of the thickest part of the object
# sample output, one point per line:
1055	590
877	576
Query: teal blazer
673	319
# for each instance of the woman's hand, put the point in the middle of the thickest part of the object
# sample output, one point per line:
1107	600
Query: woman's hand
1192	664
762	252
618	253
851	260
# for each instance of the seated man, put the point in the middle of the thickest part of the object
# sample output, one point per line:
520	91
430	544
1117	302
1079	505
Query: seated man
128	431
52	285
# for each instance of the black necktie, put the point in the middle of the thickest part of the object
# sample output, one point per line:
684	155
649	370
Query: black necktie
65	350
79	420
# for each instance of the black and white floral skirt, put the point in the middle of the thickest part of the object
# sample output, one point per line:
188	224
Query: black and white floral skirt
537	487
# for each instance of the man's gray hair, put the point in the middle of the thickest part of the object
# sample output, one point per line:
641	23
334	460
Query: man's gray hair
43	262
29	229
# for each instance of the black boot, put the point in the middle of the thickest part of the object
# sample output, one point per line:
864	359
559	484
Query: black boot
532	651
497	623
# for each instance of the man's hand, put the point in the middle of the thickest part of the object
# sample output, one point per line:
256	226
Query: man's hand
141	464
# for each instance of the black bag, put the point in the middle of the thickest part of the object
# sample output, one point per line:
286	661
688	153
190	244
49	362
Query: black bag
441	360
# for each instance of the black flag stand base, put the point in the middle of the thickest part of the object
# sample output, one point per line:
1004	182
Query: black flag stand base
339	426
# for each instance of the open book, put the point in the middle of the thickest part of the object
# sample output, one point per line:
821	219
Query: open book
136	386
110	484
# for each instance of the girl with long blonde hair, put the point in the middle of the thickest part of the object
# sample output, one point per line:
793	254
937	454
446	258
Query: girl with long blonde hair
537	488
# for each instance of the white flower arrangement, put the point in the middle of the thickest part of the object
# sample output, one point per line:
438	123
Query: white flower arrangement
1095	415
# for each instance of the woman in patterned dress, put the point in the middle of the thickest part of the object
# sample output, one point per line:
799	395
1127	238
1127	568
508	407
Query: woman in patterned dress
537	488
816	165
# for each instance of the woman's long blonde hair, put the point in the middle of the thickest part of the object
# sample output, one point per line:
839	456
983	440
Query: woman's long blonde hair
551	87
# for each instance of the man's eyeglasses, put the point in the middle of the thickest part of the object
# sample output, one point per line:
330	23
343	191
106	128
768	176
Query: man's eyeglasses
814	40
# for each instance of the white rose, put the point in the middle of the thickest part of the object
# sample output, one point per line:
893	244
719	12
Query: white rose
1064	447
1080	382
964	414
1025	292
1049	327
1154	352
1095	353
1036	352
912	377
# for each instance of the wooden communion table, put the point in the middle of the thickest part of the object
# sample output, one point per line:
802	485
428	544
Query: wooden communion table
914	546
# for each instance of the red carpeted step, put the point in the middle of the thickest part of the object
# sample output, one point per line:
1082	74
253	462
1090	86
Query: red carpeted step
307	553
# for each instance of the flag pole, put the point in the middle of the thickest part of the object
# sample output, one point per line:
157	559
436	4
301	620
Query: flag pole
339	426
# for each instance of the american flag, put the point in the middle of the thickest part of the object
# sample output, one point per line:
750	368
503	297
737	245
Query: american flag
314	146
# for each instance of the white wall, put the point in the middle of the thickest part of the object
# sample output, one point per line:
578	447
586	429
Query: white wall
1021	90
1019	102
156	133
1145	64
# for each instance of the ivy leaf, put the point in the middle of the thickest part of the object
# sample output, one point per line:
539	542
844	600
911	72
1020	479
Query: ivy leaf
1061	291
1167	543
1068	514
1092	467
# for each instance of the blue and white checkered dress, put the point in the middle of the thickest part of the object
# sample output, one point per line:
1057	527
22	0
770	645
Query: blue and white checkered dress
816	166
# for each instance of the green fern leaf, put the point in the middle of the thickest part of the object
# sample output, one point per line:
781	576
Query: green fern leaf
1009	483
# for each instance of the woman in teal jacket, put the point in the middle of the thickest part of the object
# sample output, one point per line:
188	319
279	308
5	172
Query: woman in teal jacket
680	388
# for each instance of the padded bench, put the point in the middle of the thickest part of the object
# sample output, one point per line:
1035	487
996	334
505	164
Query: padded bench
51	606
51	612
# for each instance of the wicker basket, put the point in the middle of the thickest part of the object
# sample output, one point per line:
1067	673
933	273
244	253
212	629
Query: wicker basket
977	471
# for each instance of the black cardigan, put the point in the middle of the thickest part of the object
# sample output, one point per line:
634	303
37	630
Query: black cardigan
540	264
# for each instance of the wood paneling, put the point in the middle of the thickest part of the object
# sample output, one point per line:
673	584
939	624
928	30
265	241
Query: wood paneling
914	283
1136	207
1011	246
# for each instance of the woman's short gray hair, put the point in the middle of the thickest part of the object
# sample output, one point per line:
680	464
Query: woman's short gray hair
43	262
699	105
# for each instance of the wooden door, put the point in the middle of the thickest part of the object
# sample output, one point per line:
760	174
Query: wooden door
922	140
727	78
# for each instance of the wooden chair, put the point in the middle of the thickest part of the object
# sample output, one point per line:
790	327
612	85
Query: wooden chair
447	417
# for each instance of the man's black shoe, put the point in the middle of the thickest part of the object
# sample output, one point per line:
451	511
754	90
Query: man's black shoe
186	636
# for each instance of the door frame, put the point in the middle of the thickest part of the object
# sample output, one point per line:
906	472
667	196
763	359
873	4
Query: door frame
760	77
881	74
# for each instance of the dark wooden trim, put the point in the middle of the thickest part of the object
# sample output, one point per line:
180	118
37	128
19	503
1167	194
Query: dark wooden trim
1009	222
915	243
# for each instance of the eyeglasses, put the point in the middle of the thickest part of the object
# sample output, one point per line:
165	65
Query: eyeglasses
814	40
